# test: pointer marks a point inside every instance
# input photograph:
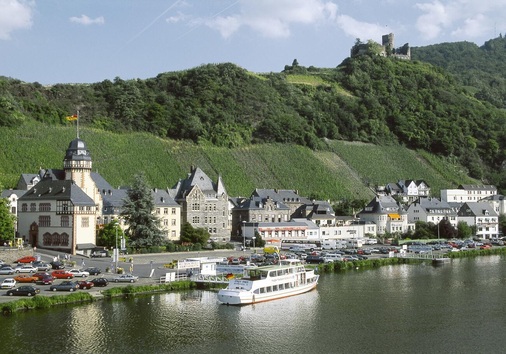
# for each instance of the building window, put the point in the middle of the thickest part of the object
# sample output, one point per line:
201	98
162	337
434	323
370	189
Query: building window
24	207
158	211
195	220
64	221
195	207
33	207
173	233
166	211
173	211
173	222
165	222
44	221
85	222
44	207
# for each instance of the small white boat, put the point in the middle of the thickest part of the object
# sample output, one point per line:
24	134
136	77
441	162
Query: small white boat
288	278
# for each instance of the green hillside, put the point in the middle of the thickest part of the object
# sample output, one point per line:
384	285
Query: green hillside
345	170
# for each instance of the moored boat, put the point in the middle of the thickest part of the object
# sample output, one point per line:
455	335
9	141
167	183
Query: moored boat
266	283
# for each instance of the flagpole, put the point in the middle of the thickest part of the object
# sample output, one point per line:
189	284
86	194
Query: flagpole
77	125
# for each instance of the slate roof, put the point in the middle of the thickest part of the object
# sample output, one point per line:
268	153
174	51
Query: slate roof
381	205
162	198
58	190
281	195
257	203
77	151
476	209
197	177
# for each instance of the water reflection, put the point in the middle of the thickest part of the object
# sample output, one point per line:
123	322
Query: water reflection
405	309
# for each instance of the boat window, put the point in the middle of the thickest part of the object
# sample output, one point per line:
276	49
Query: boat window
273	273
281	286
274	288
262	290
257	291
269	289
280	272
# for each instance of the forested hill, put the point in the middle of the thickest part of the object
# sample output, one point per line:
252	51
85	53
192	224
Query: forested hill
482	70
367	99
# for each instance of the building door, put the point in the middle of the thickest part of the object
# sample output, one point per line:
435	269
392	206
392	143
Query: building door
34	234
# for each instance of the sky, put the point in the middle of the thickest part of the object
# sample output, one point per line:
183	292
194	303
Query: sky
87	41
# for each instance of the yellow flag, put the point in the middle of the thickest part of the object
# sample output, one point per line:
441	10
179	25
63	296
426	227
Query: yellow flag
73	117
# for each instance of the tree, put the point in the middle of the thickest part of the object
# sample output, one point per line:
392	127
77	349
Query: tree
464	230
446	229
107	235
143	226
194	235
6	220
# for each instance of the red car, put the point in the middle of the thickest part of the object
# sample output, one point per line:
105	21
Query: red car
26	259
25	278
84	284
62	274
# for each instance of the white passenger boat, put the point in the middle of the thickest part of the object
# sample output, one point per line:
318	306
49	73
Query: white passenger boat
266	283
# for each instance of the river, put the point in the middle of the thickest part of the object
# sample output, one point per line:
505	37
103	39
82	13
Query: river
455	308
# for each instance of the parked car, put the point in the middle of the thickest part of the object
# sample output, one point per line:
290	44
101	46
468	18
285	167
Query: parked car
7	271
45	280
100	282
28	268
128	278
79	273
25	290
25	278
93	270
84	284
57	265
26	259
42	267
8	283
66	285
62	274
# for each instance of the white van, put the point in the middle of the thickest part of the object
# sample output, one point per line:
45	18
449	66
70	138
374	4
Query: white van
331	257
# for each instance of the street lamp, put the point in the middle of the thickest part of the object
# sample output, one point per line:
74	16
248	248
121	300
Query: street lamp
243	237
253	238
116	250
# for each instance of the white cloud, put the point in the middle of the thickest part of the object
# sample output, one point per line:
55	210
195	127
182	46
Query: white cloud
362	30
461	18
14	15
85	20
436	17
474	27
179	17
274	18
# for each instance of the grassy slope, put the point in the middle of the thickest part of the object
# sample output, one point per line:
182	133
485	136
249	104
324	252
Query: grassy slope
343	173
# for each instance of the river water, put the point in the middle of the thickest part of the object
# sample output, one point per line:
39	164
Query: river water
455	308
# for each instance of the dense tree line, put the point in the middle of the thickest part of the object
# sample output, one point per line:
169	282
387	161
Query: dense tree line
367	98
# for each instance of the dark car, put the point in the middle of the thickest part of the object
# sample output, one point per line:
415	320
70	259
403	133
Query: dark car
46	279
100	281
84	284
66	285
93	270
25	290
57	265
314	259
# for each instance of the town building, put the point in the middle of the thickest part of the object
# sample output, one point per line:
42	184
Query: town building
204	203
468	193
63	209
431	210
387	214
482	216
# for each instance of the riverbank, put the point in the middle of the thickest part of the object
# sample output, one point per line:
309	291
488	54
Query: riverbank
128	290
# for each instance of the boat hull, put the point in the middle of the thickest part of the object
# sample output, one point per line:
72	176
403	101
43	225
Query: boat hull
245	297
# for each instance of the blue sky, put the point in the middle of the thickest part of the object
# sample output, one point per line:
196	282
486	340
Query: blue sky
83	41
